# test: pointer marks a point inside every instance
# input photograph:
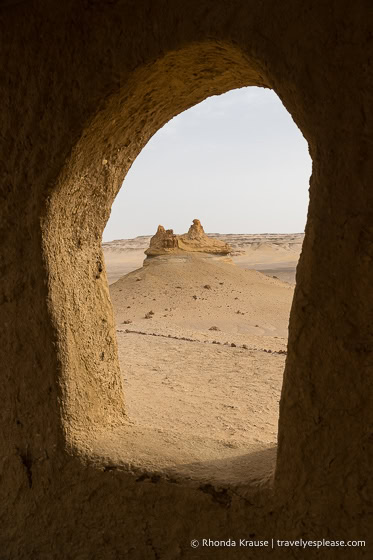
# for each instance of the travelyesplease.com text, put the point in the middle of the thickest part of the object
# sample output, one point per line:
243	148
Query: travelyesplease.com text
276	543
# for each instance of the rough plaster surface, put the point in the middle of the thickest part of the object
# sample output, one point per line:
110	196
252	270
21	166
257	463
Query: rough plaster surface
83	86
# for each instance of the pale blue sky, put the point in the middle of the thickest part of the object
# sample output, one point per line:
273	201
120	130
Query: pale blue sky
236	161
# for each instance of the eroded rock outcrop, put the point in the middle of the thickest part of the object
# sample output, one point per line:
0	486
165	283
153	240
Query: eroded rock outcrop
163	241
166	242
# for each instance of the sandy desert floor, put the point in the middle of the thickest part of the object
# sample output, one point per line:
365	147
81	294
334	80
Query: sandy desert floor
202	345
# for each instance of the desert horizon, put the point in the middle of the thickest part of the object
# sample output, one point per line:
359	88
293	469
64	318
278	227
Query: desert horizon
272	253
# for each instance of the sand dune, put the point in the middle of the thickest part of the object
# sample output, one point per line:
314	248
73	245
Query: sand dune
198	293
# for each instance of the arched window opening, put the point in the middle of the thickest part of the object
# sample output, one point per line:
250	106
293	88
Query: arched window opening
202	320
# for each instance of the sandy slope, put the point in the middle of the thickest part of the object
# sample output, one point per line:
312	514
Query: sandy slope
200	293
202	401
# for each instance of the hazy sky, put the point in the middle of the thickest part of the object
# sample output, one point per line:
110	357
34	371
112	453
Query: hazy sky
236	161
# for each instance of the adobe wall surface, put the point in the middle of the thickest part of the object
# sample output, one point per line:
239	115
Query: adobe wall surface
83	86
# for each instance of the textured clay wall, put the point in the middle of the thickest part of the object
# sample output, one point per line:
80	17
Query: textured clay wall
83	86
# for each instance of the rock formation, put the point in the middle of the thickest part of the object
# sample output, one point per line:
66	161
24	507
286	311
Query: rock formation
165	242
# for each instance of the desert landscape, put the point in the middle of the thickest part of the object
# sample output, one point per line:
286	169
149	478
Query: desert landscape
202	335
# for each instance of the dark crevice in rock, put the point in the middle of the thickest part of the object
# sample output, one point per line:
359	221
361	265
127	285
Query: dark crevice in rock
27	461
